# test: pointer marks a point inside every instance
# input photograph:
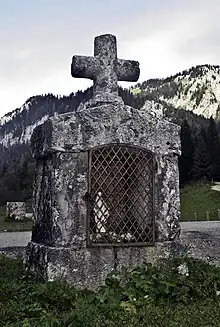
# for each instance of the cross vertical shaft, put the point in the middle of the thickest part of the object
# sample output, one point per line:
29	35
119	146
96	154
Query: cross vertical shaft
105	49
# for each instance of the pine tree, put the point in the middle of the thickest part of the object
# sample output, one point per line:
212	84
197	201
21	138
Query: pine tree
186	158
214	149
201	160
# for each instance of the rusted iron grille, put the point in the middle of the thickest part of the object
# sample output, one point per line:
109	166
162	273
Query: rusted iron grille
121	196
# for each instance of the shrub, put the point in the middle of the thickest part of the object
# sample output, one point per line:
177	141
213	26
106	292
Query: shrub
178	292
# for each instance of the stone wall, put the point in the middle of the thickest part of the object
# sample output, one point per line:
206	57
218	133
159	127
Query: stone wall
59	238
64	205
16	210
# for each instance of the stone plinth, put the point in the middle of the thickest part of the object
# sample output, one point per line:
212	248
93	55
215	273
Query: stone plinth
59	245
106	191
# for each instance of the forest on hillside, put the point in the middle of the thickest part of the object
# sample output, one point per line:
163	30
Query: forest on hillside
200	141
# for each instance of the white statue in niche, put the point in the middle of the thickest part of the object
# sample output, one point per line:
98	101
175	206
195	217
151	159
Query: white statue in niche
101	213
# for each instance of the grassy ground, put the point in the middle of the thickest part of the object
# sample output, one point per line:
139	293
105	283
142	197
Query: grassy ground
12	225
176	294
199	198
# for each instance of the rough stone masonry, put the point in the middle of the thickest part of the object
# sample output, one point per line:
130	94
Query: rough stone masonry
15	210
106	192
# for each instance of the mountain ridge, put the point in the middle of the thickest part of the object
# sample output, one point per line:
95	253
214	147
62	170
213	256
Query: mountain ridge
196	89
154	96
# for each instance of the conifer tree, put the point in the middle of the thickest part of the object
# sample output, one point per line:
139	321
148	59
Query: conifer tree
186	158
201	160
214	149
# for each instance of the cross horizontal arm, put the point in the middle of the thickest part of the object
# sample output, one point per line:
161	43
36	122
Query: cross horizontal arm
128	70
84	67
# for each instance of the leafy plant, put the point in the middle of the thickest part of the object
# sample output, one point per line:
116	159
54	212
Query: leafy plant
179	292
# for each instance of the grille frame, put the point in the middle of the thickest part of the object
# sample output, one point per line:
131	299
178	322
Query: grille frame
130	150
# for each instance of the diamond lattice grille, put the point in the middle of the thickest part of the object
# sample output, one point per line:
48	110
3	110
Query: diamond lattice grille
121	196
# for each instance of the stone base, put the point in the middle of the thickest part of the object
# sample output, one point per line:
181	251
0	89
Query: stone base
89	267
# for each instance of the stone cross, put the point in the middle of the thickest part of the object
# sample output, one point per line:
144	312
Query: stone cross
105	69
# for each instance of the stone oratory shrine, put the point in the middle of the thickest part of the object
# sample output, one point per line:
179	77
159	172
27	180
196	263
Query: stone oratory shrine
106	190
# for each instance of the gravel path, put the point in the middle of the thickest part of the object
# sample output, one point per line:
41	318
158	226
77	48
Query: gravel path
20	239
200	226
200	229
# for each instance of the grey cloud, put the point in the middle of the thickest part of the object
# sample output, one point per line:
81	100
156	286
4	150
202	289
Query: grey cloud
204	44
35	51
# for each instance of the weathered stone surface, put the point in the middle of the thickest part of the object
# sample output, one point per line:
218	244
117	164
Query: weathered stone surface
83	267
105	69
73	135
61	185
59	246
134	256
110	123
16	210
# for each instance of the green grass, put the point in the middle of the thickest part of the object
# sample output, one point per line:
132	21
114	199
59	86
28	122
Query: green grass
147	296
10	225
199	198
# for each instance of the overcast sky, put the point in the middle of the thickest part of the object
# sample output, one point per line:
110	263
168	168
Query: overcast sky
39	37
